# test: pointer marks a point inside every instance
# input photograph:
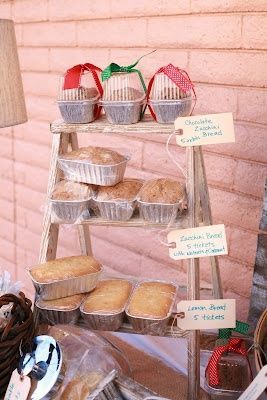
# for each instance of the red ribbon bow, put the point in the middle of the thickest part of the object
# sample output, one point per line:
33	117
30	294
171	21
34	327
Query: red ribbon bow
234	345
74	74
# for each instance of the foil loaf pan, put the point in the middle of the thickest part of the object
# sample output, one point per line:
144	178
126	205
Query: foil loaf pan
66	287
105	321
85	172
70	210
168	110
158	212
123	112
55	316
116	210
78	111
150	325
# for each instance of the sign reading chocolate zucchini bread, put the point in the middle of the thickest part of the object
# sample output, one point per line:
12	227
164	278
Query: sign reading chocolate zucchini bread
206	314
204	241
205	129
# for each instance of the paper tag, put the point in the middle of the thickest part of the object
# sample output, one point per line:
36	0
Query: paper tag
204	241
207	314
257	386
205	129
18	388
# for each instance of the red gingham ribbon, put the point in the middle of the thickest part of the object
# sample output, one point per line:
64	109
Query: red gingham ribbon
234	345
73	76
178	76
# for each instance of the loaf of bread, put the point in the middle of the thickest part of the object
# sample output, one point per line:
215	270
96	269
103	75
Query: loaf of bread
110	296
64	268
95	155
125	190
162	190
64	304
81	386
67	190
152	300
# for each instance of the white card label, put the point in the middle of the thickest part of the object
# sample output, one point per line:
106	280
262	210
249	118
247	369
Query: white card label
18	388
207	314
257	386
205	129
204	241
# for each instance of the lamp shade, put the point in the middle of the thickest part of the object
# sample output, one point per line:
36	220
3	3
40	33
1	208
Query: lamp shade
12	102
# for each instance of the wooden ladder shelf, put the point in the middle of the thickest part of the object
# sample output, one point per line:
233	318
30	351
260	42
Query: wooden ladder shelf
199	211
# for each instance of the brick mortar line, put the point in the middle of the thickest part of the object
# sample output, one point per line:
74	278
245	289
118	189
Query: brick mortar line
150	16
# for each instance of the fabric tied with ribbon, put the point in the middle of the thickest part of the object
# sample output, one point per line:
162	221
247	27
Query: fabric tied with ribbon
73	76
234	345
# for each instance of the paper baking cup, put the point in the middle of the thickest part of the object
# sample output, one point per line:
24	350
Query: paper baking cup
151	326
123	112
168	110
54	316
116	210
70	211
83	171
78	111
158	213
66	287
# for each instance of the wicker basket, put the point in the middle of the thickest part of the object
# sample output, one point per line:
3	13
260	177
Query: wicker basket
18	333
259	336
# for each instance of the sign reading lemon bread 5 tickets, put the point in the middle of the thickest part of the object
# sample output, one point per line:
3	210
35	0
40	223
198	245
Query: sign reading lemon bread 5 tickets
207	314
204	241
205	129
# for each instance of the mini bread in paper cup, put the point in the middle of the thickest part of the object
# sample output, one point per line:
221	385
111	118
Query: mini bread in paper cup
94	165
65	277
162	200
71	201
118	203
104	307
60	311
150	306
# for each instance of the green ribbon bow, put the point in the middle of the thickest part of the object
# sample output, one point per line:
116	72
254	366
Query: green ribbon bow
225	334
110	69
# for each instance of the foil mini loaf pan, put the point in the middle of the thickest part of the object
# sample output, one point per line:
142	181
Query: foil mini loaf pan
84	171
116	210
79	111
55	316
159	213
70	211
103	320
150	325
123	112
66	287
168	110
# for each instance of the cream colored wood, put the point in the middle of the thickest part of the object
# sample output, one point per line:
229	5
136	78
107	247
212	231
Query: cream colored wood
193	278
207	220
147	125
49	237
83	230
12	103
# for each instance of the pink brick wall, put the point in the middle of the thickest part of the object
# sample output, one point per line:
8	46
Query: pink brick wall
223	47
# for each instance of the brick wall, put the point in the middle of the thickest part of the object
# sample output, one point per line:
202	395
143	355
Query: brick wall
222	46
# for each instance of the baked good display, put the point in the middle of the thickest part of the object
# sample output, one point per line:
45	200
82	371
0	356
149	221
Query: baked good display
123	98
104	307
60	311
79	93
149	308
117	203
71	202
171	94
160	200
95	165
65	277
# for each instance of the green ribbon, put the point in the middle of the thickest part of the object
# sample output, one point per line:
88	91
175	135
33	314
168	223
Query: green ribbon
241	327
111	68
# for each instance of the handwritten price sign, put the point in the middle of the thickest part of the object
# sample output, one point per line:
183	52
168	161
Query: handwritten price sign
205	129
